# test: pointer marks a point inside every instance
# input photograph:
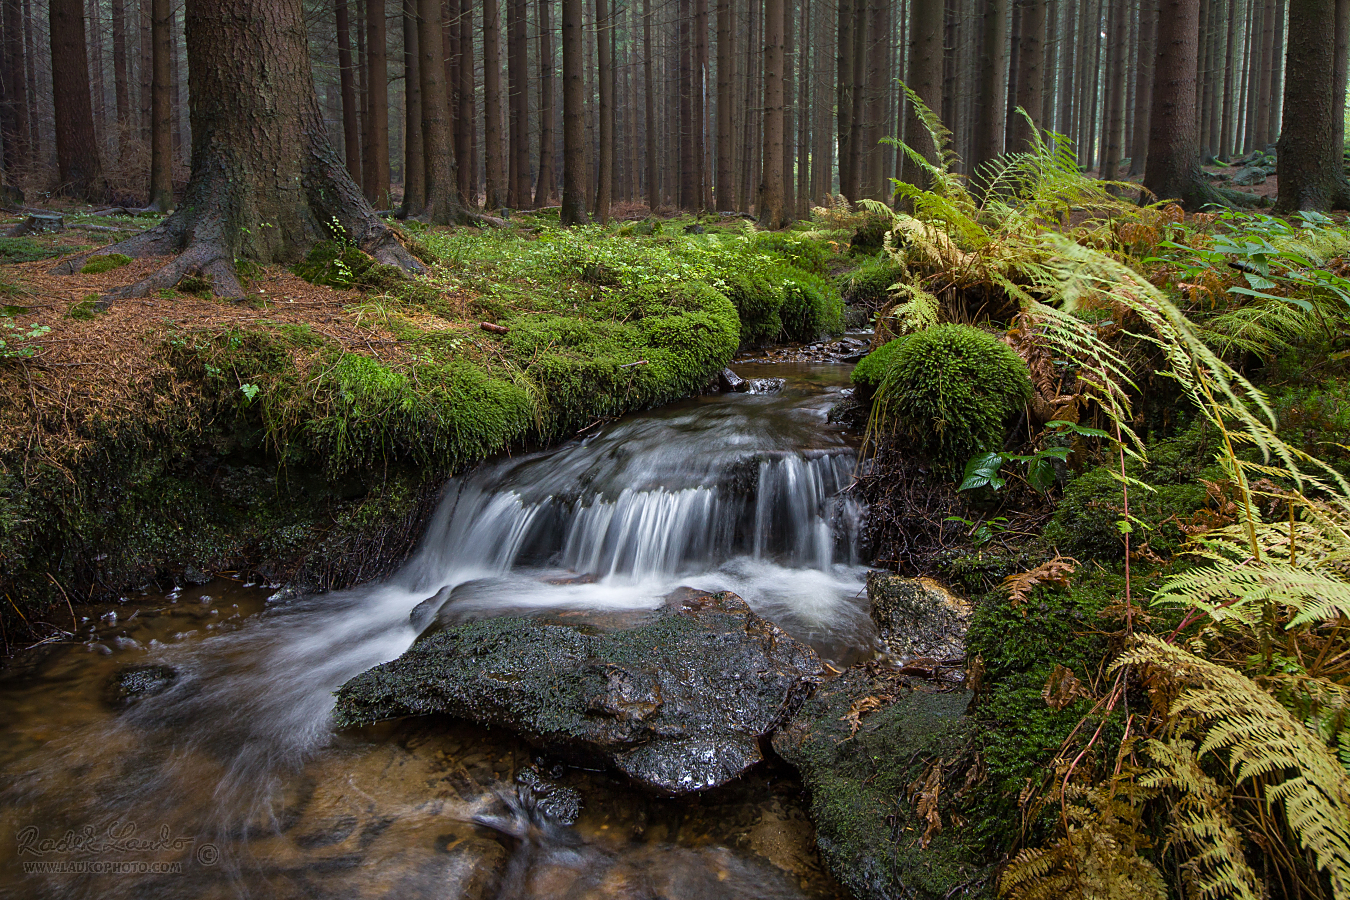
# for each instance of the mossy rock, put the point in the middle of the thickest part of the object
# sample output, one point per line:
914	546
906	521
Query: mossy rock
105	263
870	284
758	301
869	371
811	309
950	392
870	235
867	831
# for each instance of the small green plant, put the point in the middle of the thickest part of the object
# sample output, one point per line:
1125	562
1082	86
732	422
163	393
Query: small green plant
16	341
85	309
984	469
250	392
105	263
981	531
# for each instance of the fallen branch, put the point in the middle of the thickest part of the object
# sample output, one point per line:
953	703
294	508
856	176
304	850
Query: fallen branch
495	329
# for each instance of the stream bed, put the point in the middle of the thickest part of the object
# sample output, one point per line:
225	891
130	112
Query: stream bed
184	746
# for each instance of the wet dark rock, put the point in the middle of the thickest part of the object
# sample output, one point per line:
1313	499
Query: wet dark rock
677	703
731	382
137	682
917	617
695	228
849	413
867	828
194	575
39	223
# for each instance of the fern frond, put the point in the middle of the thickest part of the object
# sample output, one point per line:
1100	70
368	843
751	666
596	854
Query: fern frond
1261	743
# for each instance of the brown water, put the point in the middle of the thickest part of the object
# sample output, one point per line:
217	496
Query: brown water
387	811
223	777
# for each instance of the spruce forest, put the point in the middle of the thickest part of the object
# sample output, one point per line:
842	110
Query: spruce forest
675	449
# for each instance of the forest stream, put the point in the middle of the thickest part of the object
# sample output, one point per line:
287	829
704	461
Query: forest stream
185	748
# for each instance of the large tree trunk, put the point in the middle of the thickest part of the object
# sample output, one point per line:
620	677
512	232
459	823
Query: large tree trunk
879	51
17	135
574	123
604	27
443	206
987	142
1276	76
688	198
1309	164
844	89
771	181
464	116
700	112
725	192
649	92
856	155
1030	71
494	162
1114	137
121	89
547	188
375	165
80	171
518	73
161	108
1229	85
414	164
925	79
1173	170
351	119
266	183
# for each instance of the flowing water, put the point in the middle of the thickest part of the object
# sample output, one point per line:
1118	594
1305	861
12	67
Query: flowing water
222	776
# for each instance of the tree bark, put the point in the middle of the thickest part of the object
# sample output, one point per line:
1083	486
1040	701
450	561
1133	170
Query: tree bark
1276	76
80	170
266	183
844	88
443	206
925	79
699	116
1030	70
879	51
1262	124
649	92
547	188
1114	137
161	108
1309	164
574	125
351	120
856	154
987	144
724	198
1173	170
17	135
1229	85
464	117
375	163
1143	84
517	65
414	163
121	88
771	180
605	51
494	162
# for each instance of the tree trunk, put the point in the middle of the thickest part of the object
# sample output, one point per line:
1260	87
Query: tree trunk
688	198
95	48
1143	84
1030	70
1229	85
925	79
375	163
649	91
351	121
856	154
1262	125
1341	70
771	181
844	89
604	32
17	134
725	195
414	163
146	67
1309	164
1276	76
518	165
879	52
1114	138
80	172
574	124
121	89
161	108
494	162
266	183
547	188
1173	170
464	117
443	206
700	111
989	126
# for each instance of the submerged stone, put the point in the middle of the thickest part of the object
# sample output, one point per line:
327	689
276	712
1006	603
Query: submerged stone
677	703
136	682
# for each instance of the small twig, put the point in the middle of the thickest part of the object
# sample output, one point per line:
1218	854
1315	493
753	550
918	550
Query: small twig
640	362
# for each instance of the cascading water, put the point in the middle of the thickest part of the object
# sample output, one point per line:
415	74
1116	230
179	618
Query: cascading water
736	492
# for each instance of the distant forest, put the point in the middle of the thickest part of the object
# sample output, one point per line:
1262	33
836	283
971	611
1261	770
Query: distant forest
758	106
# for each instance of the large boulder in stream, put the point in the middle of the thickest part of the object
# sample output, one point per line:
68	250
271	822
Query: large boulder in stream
678	702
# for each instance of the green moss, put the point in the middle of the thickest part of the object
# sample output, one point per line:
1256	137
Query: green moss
87	308
1316	420
870	284
867	830
804	253
869	371
950	392
811	308
105	263
1086	522
336	264
21	250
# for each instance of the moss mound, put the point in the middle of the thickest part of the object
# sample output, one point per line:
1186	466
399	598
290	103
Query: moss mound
869	371
870	284
105	263
342	265
810	308
950	390
21	250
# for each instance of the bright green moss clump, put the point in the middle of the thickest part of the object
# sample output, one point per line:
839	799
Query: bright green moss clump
869	371
950	390
870	285
105	263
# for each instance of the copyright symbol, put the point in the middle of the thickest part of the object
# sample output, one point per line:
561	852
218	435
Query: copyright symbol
208	855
